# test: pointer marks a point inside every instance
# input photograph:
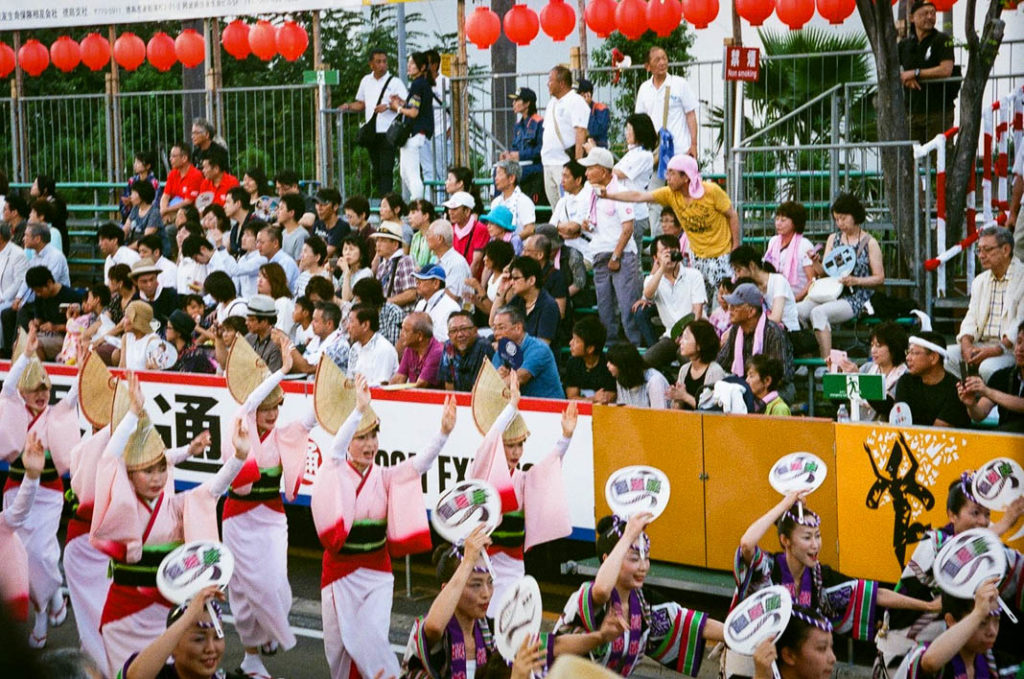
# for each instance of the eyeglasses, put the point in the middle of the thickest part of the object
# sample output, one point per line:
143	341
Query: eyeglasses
461	328
989	248
516	278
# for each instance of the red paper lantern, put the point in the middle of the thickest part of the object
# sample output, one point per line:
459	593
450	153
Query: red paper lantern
755	11
836	11
190	48
65	54
95	51
483	27
631	18
33	57
235	39
700	13
160	51
7	60
521	24
794	13
557	19
291	40
129	51
944	5
663	16
600	17
263	40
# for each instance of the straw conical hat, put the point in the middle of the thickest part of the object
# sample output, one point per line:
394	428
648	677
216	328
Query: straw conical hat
120	402
35	374
489	399
145	446
97	387
245	370
575	667
334	397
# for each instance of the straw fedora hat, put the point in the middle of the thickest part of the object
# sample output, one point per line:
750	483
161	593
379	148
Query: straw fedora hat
34	377
245	370
97	386
334	397
145	447
489	399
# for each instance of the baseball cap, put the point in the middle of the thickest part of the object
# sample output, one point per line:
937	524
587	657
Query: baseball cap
460	199
746	293
524	93
598	156
919	4
430	271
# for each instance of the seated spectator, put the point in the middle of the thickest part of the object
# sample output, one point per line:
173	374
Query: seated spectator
152	247
143	218
215	258
501	228
497	256
329	226
268	242
221	290
260	322
670	226
995	307
145	275
194	265
439	239
368	292
354	264
216	179
858	286
1004	389
929	391
110	237
371	355
395	269
293	235
312	262
469	234
719	317
523	291
104	339
13	265
788	251
507	174
286	183
571	210
250	260
463	354
422	355
635	383
216	224
15	215
81	319
551	280
393	209
224	337
137	334
49	317
586	372
182	185
328	340
191	357
44	188
357	214
39	252
434	300
752	334
570	262
538	374
142	170
302	331
205	142
42	211
271	282
421	214
888	359
461	179
775	287
675	290
763	373
185	229
699	346
239	211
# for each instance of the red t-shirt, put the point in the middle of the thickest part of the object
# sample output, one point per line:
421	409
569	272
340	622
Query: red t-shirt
476	239
185	188
227	182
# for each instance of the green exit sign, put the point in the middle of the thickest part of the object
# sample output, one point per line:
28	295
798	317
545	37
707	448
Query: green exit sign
839	386
321	77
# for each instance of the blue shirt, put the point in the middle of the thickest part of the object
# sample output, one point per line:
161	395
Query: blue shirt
540	363
527	136
291	269
600	123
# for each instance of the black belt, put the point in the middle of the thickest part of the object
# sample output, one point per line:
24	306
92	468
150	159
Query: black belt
267	487
17	470
143	573
365	537
511	532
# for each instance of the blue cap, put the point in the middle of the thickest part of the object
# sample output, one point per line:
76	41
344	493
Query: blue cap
430	271
499	216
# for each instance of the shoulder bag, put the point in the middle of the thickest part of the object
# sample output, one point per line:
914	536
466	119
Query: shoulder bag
367	134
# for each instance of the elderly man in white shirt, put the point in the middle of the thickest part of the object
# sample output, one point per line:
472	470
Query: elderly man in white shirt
440	236
37	239
371	355
996	308
565	125
430	288
507	174
672	106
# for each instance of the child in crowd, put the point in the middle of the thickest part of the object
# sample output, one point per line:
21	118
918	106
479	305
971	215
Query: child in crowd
719	317
586	372
763	373
81	318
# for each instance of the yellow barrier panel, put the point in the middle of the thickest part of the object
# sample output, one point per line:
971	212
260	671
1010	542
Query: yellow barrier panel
739	451
672	442
894	484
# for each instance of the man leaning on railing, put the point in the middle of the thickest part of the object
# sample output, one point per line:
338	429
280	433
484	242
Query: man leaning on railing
927	55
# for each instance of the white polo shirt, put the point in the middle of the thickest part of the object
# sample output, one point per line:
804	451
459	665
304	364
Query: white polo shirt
369	91
456	271
522	208
124	255
606	217
681	100
563	115
570	208
675	299
439	307
377	360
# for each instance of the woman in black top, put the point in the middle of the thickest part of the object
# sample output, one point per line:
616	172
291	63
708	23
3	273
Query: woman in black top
698	345
418	110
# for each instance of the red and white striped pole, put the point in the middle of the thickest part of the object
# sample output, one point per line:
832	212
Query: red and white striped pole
986	163
938	145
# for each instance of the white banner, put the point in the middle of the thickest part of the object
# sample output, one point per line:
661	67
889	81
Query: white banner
63	14
181	406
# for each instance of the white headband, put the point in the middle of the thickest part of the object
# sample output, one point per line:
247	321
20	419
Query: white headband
931	346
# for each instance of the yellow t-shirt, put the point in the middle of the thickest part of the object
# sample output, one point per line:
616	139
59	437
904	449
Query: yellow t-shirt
703	219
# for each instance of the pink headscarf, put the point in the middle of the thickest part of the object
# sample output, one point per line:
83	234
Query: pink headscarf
688	166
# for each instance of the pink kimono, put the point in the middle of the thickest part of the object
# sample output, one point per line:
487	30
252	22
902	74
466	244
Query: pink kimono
57	428
137	535
14	574
255	527
363	520
533	503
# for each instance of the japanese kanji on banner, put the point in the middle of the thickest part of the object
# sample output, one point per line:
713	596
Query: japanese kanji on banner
742	63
